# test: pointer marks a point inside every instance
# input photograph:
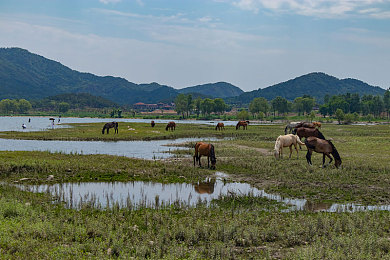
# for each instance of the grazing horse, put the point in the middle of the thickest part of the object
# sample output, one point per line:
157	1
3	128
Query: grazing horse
325	147
317	124
244	125
286	141
152	123
220	126
206	150
171	125
110	125
306	132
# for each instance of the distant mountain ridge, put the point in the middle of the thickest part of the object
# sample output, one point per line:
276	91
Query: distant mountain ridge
316	84
31	76
214	90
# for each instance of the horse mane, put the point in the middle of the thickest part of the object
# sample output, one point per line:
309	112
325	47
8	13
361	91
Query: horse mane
212	153
320	135
334	152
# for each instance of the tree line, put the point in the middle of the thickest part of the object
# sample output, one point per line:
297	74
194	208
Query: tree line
185	105
14	106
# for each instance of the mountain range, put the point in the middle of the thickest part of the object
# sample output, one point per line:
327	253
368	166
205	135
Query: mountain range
27	75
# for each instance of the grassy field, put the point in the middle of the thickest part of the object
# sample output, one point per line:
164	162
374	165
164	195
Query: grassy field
233	227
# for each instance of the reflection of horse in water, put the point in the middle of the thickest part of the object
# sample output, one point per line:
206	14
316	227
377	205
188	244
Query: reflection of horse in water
244	125
205	187
286	141
317	206
110	125
220	126
325	147
171	125
206	150
152	124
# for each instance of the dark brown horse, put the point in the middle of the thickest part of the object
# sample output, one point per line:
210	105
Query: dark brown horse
220	126
152	123
110	125
325	147
306	132
171	125
206	150
244	125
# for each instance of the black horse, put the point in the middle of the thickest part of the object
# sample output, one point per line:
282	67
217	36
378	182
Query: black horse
110	125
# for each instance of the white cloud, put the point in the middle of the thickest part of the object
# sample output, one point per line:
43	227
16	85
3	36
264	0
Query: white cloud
109	1
318	8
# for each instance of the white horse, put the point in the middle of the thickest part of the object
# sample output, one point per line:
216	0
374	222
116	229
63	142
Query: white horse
286	141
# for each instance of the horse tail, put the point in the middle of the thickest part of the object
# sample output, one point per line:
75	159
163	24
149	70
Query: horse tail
212	153
299	141
334	152
277	147
320	135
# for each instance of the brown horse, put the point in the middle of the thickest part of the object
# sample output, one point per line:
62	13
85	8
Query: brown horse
171	125
244	125
306	132
206	150
220	126
152	123
308	125
110	125
325	147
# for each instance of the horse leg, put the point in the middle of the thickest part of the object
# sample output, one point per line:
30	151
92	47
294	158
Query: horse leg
330	159
108	130
290	151
308	157
296	148
200	165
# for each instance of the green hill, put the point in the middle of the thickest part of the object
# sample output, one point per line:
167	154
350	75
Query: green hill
214	90
315	84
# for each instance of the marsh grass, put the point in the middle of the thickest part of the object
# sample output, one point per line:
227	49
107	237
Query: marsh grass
233	227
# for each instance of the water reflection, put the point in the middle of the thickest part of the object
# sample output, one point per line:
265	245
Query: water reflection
205	187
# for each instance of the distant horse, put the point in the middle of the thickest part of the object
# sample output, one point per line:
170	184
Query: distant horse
220	126
325	147
171	125
286	141
206	150
244	125
110	125
290	126
205	187
152	123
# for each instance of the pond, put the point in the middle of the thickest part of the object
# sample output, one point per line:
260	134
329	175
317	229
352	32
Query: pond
157	149
153	195
10	123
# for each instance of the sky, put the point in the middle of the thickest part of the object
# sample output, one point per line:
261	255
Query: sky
251	44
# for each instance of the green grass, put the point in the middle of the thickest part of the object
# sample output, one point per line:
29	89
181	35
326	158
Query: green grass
234	227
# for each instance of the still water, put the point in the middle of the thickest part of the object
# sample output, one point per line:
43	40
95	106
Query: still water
157	149
9	123
152	194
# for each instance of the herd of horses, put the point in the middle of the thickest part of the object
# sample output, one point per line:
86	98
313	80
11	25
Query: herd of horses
294	132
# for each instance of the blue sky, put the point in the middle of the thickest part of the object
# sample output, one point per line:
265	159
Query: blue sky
249	43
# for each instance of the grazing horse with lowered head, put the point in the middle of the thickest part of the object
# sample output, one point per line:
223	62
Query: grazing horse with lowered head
110	125
205	150
171	125
325	147
244	125
220	126
286	141
152	123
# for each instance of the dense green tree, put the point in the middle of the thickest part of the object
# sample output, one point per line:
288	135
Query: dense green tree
298	105
259	105
323	110
63	107
386	102
8	105
219	105
339	115
23	106
207	106
181	104
279	104
243	115
189	105
308	103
